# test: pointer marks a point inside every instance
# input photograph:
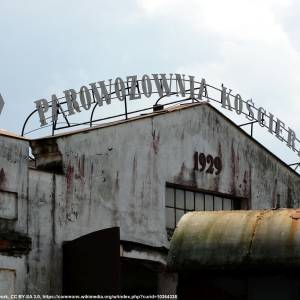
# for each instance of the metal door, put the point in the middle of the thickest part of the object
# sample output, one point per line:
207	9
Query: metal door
91	264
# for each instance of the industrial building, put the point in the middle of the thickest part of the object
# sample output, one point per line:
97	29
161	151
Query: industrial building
96	210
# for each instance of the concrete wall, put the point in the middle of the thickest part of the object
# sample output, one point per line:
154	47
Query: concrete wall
46	231
13	212
116	176
13	183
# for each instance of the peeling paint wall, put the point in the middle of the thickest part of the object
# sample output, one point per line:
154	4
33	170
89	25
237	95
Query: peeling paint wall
46	230
119	172
116	176
13	212
14	181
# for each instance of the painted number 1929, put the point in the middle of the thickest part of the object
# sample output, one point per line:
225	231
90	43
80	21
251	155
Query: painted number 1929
209	163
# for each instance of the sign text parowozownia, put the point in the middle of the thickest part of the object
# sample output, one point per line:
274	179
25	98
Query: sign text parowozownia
101	92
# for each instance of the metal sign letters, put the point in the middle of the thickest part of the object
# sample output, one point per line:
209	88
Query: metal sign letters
133	88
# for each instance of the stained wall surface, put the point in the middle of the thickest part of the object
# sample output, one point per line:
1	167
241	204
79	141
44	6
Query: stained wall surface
13	212
116	175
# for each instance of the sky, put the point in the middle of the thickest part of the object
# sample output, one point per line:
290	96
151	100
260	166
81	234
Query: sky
251	46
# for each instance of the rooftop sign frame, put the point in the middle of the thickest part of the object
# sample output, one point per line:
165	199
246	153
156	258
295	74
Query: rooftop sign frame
101	93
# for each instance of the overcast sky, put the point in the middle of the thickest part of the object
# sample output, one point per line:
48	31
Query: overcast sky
253	47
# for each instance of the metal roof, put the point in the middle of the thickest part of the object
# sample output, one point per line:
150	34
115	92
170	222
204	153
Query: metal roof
231	239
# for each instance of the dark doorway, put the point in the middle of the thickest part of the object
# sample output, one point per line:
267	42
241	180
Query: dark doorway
139	277
91	264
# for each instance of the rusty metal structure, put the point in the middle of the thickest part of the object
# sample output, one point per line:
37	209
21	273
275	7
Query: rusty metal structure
237	254
252	238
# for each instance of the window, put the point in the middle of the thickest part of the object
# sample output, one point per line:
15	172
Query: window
180	200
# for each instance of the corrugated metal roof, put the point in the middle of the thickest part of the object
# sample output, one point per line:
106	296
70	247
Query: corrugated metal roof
225	239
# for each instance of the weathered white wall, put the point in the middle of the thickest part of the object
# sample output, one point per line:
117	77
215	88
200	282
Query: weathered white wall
13	206
9	266
13	181
7	281
45	229
116	176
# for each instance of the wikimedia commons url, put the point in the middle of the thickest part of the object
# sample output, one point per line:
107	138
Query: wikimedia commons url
109	297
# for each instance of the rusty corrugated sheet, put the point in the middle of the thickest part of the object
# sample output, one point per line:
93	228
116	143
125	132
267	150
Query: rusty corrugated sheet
223	239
